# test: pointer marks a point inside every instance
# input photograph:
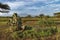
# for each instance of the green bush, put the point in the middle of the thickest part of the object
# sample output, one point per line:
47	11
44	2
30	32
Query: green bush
31	32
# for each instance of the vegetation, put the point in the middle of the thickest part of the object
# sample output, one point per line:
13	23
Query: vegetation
46	28
5	8
30	33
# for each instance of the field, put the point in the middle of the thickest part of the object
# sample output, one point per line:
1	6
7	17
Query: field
33	28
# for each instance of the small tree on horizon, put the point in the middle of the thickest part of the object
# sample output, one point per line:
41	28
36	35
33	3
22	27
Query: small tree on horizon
28	16
41	15
4	8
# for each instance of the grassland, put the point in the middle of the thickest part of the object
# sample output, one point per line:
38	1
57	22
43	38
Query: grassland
36	31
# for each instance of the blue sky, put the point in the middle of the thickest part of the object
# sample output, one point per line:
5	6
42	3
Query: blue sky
32	7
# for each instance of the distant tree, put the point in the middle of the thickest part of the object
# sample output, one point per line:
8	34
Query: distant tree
36	16
48	16
41	15
4	8
28	16
58	13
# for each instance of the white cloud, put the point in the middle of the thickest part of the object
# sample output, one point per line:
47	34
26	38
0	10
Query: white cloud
15	4
39	0
33	7
48	8
57	0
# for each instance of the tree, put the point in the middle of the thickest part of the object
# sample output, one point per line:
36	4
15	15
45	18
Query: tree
28	16
41	15
4	8
47	16
36	16
57	14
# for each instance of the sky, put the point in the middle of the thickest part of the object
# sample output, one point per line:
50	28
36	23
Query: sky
32	7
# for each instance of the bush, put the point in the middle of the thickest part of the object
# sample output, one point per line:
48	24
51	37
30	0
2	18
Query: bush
32	33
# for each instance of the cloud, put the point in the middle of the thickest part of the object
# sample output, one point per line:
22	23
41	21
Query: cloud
50	9
33	7
15	4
